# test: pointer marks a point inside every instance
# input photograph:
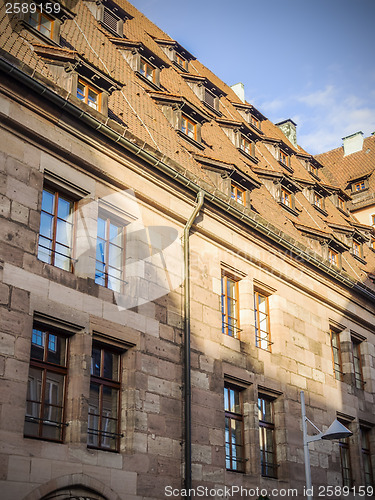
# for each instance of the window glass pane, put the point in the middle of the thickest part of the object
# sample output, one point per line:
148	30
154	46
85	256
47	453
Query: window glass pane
48	202
63	232
34	19
92	99
81	91
37	344
101	228
45	25
115	234
64	208
95	362
56	350
46	225
115	256
62	258
110	365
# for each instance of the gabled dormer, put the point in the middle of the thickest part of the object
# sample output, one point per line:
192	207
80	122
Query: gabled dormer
251	115
184	117
234	183
241	136
310	164
316	194
282	187
146	64
206	91
280	151
179	56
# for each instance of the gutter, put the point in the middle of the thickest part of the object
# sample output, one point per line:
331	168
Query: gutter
187	364
255	222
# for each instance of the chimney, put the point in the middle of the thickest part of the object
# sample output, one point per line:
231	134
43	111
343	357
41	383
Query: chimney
239	90
353	143
289	129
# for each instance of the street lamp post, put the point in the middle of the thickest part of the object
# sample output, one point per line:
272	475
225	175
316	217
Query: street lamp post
335	431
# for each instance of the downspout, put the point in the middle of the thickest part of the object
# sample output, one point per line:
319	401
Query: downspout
187	364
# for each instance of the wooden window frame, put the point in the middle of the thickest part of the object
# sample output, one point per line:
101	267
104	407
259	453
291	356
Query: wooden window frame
39	23
373	219
265	425
357	363
254	121
366	455
230	325
147	65
57	195
108	218
238	193
259	340
235	465
286	195
318	200
246	145
336	349
333	257
88	87
341	203
181	61
359	186
357	249
48	367
103	382
284	158
184	124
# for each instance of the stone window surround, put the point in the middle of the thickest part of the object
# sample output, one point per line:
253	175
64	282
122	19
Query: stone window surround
236	417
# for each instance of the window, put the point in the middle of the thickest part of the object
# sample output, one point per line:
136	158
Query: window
346	471
103	421
333	257
358	375
234	443
359	186
318	200
88	94
238	194
366	455
373	220
336	353
210	98
230	306
109	253
245	145
147	70
286	198
267	437
262	321
56	230
46	386
181	61
254	121
41	22
188	127
357	250
314	170
283	158
341	203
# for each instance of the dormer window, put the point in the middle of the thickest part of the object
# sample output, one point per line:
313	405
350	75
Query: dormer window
209	97
254	121
188	127
283	158
41	22
341	203
238	193
333	257
357	249
359	186
112	22
88	94
286	198
147	70
318	200
181	61
246	145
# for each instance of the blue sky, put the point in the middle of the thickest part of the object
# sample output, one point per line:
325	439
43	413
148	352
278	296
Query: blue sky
309	60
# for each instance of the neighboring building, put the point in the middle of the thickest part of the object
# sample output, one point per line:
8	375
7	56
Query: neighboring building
174	272
352	168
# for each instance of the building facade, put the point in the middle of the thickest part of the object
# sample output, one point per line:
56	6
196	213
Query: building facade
175	270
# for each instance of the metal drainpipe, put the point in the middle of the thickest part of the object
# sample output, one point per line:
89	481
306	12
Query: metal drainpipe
187	364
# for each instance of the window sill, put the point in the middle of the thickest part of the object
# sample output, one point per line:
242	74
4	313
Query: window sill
248	156
146	80
321	210
102	449
191	140
289	209
287	167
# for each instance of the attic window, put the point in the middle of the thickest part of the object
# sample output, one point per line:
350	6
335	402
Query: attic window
314	171
357	249
318	200
181	61
147	71
283	158
41	22
286	198
45	20
209	98
188	127
88	94
359	186
238	193
254	121
245	145
341	203
333	257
